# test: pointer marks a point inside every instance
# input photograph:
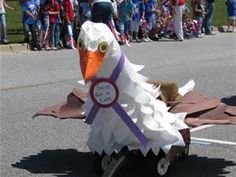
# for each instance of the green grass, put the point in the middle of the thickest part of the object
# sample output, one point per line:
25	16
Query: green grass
220	16
14	22
14	19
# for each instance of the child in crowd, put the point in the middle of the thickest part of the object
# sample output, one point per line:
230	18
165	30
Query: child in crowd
46	23
190	26
169	26
165	20
57	30
145	28
135	23
75	22
29	21
231	11
149	9
199	12
85	10
114	22
125	14
54	11
68	21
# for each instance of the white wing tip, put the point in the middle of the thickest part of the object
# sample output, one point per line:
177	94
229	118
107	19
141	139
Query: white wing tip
187	87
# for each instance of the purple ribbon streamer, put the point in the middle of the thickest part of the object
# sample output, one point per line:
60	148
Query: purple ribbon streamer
116	106
116	72
132	126
92	114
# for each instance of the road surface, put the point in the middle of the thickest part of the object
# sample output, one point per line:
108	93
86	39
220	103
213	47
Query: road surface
49	147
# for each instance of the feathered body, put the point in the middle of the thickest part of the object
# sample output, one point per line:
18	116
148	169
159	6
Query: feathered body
108	131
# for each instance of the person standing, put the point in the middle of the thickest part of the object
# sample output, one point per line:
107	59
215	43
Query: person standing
178	10
69	16
210	9
3	4
54	11
199	12
58	22
29	21
85	11
135	23
149	8
102	11
231	12
125	16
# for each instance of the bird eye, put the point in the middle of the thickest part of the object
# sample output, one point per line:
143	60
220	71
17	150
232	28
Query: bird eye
81	44
102	47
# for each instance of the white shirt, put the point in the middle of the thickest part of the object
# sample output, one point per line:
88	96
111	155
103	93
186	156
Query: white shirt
95	1
2	9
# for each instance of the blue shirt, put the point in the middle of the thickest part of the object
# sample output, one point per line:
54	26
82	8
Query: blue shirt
147	7
86	9
29	6
137	10
231	8
126	10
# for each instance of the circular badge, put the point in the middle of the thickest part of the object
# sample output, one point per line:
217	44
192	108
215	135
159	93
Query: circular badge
104	92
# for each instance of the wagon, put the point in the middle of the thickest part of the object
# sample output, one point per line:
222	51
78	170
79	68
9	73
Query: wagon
119	164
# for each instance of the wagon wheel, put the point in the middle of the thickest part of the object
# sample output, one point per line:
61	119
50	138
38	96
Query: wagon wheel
121	164
112	165
162	166
158	166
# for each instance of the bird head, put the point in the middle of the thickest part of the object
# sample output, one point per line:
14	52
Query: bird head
95	45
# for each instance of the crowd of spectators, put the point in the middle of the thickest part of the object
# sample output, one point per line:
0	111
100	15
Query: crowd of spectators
55	24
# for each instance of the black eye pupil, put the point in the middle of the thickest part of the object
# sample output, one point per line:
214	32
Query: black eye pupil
104	47
80	45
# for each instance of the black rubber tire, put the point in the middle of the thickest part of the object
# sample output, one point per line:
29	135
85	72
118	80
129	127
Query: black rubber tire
117	168
127	164
184	154
98	168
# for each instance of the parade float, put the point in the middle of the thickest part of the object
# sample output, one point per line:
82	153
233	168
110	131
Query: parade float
132	119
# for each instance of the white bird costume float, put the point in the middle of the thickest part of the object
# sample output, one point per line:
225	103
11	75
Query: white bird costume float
121	106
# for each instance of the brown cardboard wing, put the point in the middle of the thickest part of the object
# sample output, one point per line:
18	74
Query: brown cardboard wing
202	110
69	109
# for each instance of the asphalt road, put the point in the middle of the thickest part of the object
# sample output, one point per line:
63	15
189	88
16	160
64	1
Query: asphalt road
49	147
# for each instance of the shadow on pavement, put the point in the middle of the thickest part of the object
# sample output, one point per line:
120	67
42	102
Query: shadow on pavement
71	163
61	163
195	166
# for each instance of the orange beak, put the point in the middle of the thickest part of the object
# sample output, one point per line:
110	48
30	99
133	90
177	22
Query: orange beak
90	63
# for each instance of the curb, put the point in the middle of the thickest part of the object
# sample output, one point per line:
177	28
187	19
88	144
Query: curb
14	48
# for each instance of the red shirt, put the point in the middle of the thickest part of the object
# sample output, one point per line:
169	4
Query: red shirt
69	10
181	2
54	8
